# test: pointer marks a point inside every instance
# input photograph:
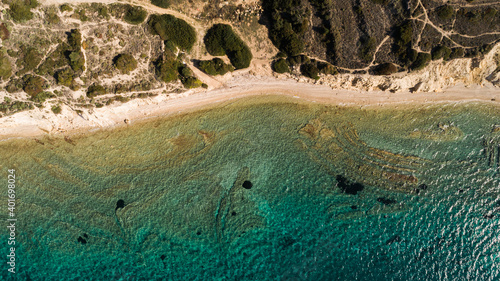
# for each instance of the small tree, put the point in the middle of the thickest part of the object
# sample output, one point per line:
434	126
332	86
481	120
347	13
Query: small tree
125	63
280	66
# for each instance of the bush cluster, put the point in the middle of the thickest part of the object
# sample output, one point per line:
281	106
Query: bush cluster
385	69
367	48
221	40
173	29
56	109
310	70
161	3
445	12
75	54
20	10
125	63
440	51
402	42
187	77
134	14
166	69
280	66
34	85
216	66
456	53
95	90
28	59
5	67
288	22
421	61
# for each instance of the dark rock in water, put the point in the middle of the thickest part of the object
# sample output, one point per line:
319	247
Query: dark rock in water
247	184
393	239
422	186
233	214
198	233
163	257
347	187
488	216
120	204
386	201
81	240
354	207
86	236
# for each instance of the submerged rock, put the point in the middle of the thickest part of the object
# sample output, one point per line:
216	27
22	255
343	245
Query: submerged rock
393	239
120	204
386	201
82	240
247	185
347	187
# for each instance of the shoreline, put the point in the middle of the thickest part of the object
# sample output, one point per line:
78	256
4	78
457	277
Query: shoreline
40	122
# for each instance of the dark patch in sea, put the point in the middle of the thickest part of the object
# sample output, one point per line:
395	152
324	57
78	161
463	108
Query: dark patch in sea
120	204
386	201
247	184
354	207
393	239
347	187
82	240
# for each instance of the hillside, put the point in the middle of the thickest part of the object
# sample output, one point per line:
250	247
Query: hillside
87	55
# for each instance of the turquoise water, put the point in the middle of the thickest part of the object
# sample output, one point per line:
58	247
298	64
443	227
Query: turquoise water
337	193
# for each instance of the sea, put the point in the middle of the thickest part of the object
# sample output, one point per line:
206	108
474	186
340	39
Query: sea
260	188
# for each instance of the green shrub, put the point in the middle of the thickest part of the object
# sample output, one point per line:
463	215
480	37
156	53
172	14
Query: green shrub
65	77
135	14
75	39
33	85
280	66
422	61
5	67
65	8
56	109
28	59
125	63
456	53
20	10
440	52
326	68
445	12
403	35
385	69
187	78
310	70
221	39
41	97
161	3
166	70
77	61
54	60
368	46
173	29
216	66
95	90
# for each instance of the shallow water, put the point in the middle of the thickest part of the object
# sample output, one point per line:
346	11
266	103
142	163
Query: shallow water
337	193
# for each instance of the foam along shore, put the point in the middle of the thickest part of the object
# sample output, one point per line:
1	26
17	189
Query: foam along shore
39	122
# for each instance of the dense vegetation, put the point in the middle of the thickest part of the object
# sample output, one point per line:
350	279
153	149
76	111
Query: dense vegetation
280	66
187	77
173	29
134	14
289	21
34	85
385	69
221	40
161	3
5	66
56	109
95	90
421	61
20	10
216	66
440	51
76	57
125	63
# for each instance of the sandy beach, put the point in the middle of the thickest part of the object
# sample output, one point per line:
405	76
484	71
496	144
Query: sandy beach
39	122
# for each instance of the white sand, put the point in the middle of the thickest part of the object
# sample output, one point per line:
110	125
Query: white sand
42	121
